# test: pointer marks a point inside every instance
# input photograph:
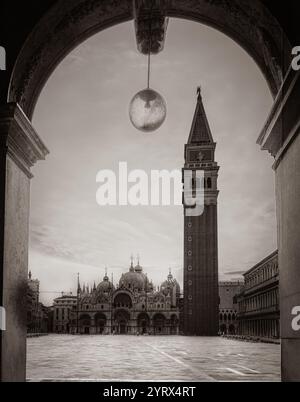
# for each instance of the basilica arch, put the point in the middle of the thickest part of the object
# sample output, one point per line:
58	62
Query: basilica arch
174	324
100	323
122	321
123	299
85	323
159	323
44	39
143	321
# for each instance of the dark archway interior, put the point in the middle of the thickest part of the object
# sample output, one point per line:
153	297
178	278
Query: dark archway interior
123	300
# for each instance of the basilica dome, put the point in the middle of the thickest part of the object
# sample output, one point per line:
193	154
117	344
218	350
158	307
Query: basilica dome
169	285
134	279
105	286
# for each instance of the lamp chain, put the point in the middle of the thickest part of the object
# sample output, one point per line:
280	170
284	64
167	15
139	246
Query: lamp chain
150	46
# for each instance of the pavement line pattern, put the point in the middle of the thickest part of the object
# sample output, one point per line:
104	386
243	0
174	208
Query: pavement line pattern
235	372
247	369
194	370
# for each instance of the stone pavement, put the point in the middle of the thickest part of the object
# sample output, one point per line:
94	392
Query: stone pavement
147	358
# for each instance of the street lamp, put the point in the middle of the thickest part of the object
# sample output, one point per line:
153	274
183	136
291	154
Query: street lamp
148	109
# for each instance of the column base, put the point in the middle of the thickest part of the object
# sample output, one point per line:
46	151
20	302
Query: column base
290	360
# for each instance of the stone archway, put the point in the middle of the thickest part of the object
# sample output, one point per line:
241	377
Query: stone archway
62	27
122	321
174	324
67	24
159	324
231	329
100	323
85	323
143	323
223	329
122	299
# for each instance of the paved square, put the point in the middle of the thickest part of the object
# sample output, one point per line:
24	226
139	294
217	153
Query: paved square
147	358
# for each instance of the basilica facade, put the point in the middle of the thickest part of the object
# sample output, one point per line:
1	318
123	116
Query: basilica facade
134	306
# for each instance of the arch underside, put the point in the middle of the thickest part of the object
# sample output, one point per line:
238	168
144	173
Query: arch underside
69	23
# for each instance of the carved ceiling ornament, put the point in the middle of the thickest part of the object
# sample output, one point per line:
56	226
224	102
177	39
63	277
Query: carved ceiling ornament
69	22
150	25
23	144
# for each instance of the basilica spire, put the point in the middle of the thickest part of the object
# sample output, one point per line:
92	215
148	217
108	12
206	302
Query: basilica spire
106	278
138	268
131	265
78	284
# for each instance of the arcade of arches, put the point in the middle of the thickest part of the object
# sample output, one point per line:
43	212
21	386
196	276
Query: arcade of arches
267	30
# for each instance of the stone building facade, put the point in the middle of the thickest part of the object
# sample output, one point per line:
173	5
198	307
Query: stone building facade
133	307
259	313
62	308
38	315
229	308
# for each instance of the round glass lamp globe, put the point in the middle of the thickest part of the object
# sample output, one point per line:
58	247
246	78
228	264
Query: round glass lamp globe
148	110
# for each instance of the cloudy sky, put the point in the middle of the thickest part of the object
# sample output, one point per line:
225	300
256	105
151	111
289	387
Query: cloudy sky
82	115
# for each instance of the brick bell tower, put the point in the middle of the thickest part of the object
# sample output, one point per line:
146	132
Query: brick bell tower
201	293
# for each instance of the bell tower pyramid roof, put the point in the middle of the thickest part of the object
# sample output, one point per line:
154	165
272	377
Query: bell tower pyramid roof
200	133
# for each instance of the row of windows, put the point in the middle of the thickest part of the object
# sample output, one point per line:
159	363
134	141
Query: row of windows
60	302
263	301
122	305
198	165
207	183
262	274
62	312
227	317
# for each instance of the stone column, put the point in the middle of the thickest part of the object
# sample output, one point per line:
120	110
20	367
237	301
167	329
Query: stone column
281	138
20	149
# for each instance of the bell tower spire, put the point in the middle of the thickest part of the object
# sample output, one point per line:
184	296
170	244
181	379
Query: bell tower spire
200	133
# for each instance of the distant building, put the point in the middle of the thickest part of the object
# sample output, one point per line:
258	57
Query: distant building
135	306
259	313
37	313
228	308
62	308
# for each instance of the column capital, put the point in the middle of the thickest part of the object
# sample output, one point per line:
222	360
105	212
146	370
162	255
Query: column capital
19	139
283	123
